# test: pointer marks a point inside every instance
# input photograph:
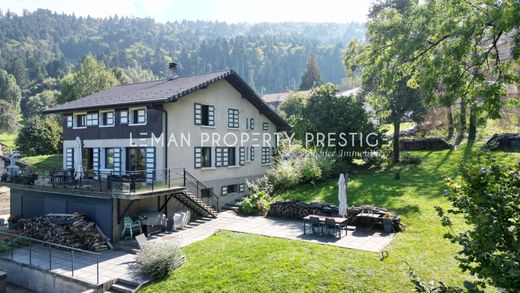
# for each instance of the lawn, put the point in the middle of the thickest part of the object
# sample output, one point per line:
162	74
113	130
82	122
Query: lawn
238	262
44	162
8	139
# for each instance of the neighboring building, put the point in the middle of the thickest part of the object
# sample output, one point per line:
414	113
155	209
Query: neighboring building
194	107
275	100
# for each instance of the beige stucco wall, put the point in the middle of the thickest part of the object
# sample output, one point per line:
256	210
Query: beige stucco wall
222	96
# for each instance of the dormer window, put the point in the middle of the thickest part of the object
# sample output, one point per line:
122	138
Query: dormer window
138	116
107	118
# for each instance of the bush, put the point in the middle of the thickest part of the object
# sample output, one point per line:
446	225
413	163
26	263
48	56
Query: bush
255	204
310	169
411	159
284	175
260	184
158	259
39	136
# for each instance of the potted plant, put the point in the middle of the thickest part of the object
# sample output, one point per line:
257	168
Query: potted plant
388	222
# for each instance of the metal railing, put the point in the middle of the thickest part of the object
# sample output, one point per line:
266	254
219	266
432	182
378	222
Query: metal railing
200	190
18	242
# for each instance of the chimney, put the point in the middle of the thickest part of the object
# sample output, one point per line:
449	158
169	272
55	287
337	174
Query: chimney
173	71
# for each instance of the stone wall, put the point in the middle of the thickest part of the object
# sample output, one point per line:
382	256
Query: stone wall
507	142
424	144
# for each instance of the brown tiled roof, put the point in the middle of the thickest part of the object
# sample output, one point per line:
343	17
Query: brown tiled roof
164	91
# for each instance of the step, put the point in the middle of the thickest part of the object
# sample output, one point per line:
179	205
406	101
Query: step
128	283
121	288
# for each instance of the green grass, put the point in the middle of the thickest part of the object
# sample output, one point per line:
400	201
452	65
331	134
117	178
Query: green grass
242	263
44	162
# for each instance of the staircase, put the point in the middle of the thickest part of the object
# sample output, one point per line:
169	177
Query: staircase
124	286
197	204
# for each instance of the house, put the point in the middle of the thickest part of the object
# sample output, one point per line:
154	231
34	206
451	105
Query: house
184	142
276	99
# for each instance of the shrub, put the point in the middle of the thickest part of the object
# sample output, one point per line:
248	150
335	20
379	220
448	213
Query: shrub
260	184
310	169
255	204
284	175
158	259
411	159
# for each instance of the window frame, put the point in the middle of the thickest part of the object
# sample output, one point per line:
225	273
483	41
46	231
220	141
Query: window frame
131	116
107	166
208	160
75	120
101	121
233	118
92	119
232	153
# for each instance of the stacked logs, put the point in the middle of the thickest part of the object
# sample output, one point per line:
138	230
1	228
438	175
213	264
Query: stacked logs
65	229
298	210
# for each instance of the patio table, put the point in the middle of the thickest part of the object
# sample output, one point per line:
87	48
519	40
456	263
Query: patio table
369	218
338	220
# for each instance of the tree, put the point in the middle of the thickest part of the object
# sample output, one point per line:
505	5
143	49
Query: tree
91	77
39	136
386	83
487	198
8	117
325	112
9	90
293	105
311	76
39	102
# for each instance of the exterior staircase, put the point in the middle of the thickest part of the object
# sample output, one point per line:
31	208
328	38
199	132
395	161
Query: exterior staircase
197	204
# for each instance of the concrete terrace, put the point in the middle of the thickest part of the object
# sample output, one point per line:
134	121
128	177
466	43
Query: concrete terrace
374	241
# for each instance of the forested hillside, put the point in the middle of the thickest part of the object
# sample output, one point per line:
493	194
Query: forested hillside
39	48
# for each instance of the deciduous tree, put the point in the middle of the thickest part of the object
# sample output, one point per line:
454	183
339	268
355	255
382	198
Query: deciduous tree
39	136
9	90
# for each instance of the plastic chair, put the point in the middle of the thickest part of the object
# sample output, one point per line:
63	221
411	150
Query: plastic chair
130	226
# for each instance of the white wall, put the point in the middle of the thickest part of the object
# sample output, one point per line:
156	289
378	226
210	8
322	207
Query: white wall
181	119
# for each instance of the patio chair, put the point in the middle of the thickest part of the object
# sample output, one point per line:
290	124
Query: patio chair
331	226
131	226
315	224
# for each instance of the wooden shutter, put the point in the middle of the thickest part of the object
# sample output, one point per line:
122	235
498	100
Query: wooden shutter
198	114
251	123
223	190
95	161
69	158
241	187
251	154
211	115
247	123
218	157
265	126
242	155
198	159
117	161
225	157
150	164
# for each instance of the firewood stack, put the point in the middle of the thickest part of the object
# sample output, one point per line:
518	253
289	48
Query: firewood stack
64	229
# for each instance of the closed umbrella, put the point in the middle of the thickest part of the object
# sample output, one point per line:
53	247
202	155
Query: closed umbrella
78	161
342	196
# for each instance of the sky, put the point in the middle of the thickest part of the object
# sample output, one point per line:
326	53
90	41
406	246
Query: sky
231	11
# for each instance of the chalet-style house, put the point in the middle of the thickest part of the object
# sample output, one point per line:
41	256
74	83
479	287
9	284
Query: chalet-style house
152	146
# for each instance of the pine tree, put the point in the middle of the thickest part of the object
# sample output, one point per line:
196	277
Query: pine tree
312	76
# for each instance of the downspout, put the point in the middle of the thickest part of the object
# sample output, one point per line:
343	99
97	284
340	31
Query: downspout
165	145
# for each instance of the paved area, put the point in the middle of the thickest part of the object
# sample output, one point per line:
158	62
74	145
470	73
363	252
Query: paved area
374	241
112	263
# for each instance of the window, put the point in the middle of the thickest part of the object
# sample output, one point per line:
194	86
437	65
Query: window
202	157
233	118
265	126
138	116
92	119
251	154
232	188
204	115
231	156
69	121
124	117
81	120
135	159
266	155
109	158
251	123
107	118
